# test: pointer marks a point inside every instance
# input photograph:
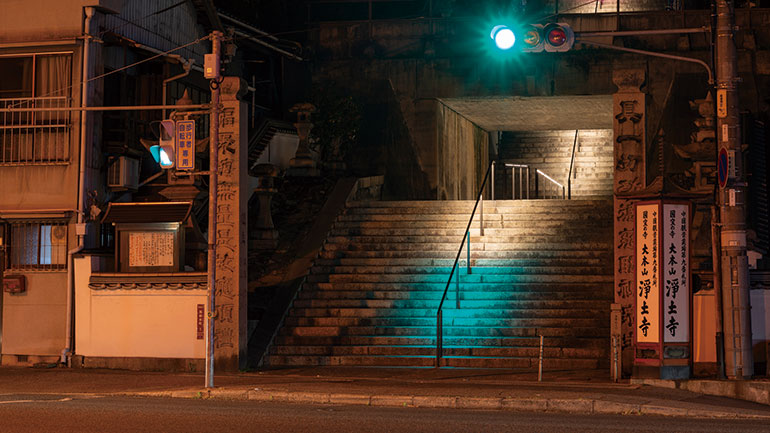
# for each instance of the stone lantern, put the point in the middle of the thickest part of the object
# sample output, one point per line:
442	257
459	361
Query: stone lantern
303	164
263	235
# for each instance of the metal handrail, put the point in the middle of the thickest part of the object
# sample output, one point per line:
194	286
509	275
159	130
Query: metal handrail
522	191
439	313
552	180
571	164
513	182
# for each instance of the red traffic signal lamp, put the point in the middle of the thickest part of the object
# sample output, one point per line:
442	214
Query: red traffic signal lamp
558	37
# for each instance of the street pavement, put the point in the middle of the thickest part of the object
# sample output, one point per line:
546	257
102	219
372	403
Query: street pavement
118	414
559	392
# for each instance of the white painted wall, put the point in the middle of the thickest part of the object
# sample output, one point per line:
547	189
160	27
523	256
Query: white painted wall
33	321
38	20
135	323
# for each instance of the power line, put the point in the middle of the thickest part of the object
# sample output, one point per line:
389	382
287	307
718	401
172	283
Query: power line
127	21
123	68
146	60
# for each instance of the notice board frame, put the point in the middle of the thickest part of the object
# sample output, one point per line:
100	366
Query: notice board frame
122	246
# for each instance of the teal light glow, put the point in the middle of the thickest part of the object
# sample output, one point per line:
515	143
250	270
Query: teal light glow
503	37
497	41
165	161
161	157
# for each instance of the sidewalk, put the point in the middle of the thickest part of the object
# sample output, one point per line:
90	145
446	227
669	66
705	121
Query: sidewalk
583	392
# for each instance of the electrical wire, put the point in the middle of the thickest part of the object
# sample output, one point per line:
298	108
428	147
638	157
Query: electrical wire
571	9
127	22
145	60
120	69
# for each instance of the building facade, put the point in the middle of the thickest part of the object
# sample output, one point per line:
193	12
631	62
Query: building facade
59	167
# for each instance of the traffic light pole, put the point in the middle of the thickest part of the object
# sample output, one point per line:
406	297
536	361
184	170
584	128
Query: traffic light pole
731	199
216	40
648	53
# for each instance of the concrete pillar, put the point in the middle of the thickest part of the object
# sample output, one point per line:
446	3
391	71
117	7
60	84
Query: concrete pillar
629	119
230	335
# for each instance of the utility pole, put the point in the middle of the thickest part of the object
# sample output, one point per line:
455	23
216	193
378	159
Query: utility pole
216	40
731	198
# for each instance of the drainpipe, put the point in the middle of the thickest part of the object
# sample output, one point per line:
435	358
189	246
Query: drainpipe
66	353
187	65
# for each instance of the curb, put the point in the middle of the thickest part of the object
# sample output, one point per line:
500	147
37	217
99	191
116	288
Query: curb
574	406
737	389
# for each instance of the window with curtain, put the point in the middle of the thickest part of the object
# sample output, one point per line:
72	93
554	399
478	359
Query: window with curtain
35	81
37	245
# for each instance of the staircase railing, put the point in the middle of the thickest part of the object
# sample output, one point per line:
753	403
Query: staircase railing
520	181
519	177
466	236
552	188
571	165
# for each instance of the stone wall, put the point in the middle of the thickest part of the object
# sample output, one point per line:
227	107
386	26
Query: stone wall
421	61
462	154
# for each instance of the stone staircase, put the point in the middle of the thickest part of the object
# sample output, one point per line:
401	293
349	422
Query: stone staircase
551	151
543	267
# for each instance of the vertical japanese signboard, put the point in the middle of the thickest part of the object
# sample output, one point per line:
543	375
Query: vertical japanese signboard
185	144
662	297
200	321
647	284
676	271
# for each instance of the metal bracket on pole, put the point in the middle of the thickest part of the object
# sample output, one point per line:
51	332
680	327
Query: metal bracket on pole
652	54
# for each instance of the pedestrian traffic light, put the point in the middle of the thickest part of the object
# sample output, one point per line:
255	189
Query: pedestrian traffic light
164	152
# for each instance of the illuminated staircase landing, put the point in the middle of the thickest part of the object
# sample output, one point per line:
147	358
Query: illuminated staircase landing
543	267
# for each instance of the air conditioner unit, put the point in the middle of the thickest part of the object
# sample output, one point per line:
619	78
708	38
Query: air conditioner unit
123	174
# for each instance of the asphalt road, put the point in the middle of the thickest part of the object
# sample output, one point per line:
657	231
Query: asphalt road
79	413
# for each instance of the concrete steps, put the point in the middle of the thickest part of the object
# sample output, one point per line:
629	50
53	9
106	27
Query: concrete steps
551	152
532	324
543	267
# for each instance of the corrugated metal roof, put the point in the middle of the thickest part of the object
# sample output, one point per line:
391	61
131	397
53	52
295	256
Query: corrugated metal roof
150	212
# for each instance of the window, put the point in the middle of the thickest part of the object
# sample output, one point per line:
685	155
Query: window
35	81
37	245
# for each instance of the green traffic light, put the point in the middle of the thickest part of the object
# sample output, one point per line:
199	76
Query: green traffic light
503	36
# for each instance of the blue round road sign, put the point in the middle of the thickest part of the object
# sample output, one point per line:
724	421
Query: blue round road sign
723	164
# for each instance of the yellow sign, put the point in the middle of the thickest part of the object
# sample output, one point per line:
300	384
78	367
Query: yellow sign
722	103
185	144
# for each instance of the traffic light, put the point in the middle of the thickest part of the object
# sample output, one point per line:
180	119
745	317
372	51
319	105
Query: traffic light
533	38
503	36
164	151
558	37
